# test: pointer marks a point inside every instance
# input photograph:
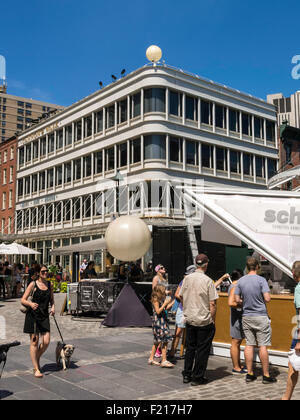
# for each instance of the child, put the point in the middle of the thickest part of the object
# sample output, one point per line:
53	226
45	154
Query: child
160	326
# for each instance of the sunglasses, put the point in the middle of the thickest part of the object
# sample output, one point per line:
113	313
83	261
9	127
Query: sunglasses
44	271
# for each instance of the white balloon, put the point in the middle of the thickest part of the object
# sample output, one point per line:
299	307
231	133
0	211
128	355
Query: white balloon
154	53
128	238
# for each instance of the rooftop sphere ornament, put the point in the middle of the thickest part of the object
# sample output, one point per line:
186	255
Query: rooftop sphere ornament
154	53
128	238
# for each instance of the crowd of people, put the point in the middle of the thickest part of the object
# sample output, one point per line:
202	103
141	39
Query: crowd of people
196	296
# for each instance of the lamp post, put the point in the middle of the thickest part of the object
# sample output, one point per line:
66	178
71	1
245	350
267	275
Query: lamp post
118	177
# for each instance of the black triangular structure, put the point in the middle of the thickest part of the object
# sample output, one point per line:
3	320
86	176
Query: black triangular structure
127	311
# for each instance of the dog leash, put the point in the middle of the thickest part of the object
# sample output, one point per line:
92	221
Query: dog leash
58	330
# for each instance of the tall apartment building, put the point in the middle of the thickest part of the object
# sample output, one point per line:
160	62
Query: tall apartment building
288	109
157	124
16	113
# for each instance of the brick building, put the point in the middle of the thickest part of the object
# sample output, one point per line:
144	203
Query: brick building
8	166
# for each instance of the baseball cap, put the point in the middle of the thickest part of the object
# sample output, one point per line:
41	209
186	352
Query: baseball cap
201	259
190	269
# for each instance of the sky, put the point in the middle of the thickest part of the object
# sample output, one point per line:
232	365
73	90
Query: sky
58	50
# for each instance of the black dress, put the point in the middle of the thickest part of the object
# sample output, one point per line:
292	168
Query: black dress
37	322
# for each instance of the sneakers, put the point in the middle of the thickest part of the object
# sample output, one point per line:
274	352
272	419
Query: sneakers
201	381
250	378
239	372
186	379
269	380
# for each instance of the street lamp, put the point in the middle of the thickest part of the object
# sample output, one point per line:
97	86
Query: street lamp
118	177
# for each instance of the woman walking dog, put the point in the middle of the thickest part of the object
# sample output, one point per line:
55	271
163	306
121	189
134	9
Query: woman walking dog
37	322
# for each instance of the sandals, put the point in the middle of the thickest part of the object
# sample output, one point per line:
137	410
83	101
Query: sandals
152	362
37	373
166	364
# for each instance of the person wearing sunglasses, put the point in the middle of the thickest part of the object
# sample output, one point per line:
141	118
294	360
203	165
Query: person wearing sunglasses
37	322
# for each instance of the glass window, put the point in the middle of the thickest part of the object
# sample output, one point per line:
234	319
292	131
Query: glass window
270	128
207	156
87	162
67	211
234	120
88	126
135	105
20	187
122	155
206	112
122	116
110	116
68	134
50	178
43	146
220	116
154	100
247	163
34	183
260	167
78	130
191	151
21	156
27	185
76	208
99	121
35	149
98	164
42	184
28	152
155	147
87	203
59	139
175	99
191	108
58	175
235	162
258	127
135	150
221	159
68	172
176	149
110	159
49	214
246	124
77	169
51	143
57	212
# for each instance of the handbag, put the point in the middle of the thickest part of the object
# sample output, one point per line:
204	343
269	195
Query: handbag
24	309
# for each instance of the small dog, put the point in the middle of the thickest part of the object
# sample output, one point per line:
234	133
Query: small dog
64	353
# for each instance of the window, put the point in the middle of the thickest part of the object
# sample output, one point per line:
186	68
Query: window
110	116
88	125
51	143
246	124
220	116
42	181
99	121
49	214
87	203
67	210
43	146
135	101
27	185
191	151
59	139
58	175
19	126
191	108
207	156
57	212
206	112
221	159
260	167
20	187
87	165
272	165
34	183
258	127
135	150
175	100
78	130
247	163
154	100
122	155
77	169
235	162
122	113
4	180
20	103
27	112
68	172
76	208
10	199
20	111
98	164
68	134
5	156
21	156
155	147
234	120
176	149
270	131
50	180
110	159
28	105
4	201
11	174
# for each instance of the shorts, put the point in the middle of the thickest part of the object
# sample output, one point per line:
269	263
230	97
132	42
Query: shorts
180	322
257	330
236	328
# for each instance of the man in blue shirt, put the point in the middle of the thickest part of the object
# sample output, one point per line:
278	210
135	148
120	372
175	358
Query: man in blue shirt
252	291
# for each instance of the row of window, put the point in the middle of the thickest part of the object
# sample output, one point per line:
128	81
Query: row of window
154	147
154	101
4	175
5	153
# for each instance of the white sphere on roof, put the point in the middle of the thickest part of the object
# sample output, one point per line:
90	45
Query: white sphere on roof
154	53
128	238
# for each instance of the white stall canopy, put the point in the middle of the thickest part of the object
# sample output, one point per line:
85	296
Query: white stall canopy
267	221
83	247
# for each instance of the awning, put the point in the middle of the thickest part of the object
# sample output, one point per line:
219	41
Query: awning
82	248
16	249
267	221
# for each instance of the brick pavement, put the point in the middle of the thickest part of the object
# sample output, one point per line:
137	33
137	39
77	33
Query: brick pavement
111	364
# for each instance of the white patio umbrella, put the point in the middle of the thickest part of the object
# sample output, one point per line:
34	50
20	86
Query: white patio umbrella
16	249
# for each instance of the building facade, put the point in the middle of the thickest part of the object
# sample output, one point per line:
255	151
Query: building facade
16	113
288	109
158	126
8	169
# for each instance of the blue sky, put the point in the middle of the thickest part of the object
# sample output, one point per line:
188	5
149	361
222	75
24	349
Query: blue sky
58	50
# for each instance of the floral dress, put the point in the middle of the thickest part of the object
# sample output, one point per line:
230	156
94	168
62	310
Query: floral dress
160	327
